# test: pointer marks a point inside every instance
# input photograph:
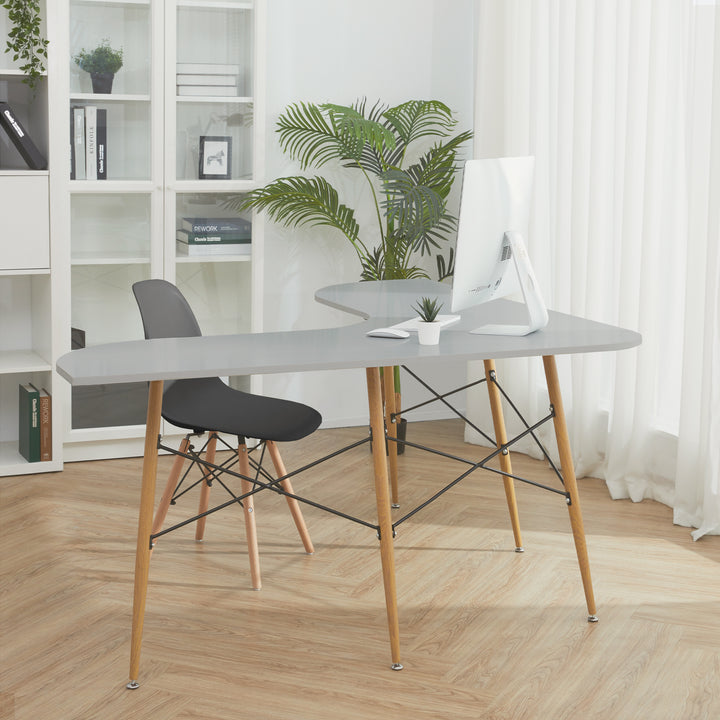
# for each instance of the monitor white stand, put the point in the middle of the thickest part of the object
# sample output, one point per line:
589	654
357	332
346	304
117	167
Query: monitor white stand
534	304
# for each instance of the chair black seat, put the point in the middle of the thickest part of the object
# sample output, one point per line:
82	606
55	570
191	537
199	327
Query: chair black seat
208	404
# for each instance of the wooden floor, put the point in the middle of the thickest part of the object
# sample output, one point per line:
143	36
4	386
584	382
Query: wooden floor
485	632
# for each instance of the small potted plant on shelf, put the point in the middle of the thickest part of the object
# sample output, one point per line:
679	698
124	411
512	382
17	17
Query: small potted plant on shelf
102	63
428	327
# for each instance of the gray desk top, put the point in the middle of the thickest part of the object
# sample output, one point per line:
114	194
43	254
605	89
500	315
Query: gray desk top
336	348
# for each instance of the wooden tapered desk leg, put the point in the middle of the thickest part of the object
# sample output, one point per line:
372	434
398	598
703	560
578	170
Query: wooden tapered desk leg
568	472
382	496
391	428
501	439
147	500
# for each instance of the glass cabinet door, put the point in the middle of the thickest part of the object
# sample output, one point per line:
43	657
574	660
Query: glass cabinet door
161	150
115	209
213	111
213	75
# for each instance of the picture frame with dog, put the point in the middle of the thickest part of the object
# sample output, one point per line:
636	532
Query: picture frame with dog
215	157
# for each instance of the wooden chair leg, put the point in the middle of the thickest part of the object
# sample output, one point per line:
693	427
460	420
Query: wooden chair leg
293	504
164	504
249	511
205	488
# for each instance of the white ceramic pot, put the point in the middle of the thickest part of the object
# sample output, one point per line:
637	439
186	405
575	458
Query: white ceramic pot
429	333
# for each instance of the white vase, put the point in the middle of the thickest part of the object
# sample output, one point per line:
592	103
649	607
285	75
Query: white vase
429	333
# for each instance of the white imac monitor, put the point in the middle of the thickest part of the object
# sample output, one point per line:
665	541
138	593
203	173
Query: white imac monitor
491	251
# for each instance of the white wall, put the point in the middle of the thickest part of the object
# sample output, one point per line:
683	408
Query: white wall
338	51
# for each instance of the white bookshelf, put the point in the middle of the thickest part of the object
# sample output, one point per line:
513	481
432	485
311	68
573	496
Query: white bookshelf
26	271
106	234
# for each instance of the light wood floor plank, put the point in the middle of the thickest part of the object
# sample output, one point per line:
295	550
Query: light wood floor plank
485	632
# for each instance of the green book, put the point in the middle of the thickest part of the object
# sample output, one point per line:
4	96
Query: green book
29	423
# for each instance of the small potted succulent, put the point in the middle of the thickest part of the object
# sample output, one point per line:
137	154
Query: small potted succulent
102	63
428	327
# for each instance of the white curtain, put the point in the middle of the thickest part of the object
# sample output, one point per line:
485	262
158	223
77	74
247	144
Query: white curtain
619	102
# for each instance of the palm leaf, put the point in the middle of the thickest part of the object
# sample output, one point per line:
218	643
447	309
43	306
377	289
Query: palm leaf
410	206
437	168
445	270
306	135
421	118
350	124
296	201
379	265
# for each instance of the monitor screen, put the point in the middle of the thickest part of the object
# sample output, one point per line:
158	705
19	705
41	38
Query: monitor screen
495	200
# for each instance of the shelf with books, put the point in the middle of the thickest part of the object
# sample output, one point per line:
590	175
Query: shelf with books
231	27
202	237
17	423
118	129
23	124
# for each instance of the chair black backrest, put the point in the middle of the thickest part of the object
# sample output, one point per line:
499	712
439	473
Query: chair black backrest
164	310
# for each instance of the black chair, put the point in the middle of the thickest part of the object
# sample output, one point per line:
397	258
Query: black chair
209	405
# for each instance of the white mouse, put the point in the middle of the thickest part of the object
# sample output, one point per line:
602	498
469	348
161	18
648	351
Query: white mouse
388	332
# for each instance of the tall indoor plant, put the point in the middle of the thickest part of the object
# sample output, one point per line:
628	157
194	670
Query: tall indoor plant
408	157
392	149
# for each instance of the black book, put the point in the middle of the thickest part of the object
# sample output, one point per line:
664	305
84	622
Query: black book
101	137
17	133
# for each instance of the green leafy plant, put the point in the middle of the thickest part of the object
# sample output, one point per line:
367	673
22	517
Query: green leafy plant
103	59
25	40
428	309
409	177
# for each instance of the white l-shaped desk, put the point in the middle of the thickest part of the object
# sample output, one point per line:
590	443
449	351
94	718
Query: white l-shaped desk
381	304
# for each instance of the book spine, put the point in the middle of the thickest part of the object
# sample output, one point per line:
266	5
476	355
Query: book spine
17	133
79	142
101	144
206	69
202	90
207	80
217	226
216	249
29	423
212	238
91	142
45	426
